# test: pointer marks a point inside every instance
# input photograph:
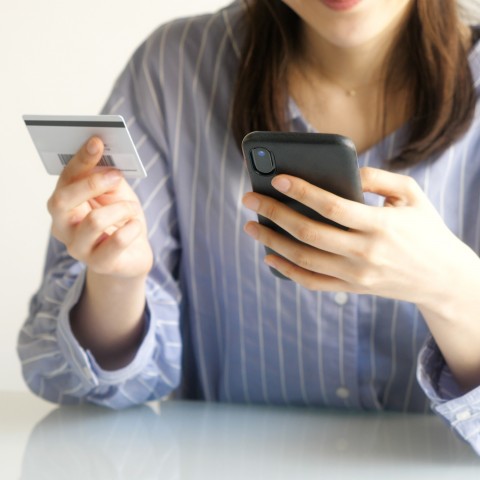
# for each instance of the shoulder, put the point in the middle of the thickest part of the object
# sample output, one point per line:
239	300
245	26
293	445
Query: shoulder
182	73
181	53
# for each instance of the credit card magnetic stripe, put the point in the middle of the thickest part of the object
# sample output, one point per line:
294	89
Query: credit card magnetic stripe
73	123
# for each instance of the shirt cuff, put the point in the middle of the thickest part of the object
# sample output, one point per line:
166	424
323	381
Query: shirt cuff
83	362
460	410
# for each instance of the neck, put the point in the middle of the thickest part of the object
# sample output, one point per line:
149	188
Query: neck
351	67
344	89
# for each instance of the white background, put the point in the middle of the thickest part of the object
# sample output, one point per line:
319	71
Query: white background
56	57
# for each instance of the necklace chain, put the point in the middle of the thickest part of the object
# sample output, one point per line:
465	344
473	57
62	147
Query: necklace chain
349	92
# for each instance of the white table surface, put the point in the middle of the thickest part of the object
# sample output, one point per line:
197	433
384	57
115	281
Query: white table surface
195	440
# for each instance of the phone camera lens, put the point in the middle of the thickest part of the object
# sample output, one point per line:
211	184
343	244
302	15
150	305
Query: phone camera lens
262	161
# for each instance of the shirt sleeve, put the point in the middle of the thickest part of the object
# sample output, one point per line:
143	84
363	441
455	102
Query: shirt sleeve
54	365
460	410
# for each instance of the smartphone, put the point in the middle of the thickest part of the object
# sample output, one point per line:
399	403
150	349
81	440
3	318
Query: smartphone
328	161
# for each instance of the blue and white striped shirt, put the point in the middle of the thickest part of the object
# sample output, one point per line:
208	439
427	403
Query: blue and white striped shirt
246	336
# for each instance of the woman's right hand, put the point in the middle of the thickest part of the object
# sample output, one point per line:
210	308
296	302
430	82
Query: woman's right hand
98	217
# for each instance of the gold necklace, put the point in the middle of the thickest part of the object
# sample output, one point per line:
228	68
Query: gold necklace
302	68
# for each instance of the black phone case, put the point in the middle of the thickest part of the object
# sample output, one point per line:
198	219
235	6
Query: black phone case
326	160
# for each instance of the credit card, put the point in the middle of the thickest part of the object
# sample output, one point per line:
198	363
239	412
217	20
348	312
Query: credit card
58	137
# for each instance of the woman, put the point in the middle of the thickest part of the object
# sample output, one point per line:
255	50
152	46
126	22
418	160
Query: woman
153	288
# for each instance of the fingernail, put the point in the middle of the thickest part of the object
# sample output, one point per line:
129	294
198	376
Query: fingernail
251	202
111	177
252	230
281	184
92	146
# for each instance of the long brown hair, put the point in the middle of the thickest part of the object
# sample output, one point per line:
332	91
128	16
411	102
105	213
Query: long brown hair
432	47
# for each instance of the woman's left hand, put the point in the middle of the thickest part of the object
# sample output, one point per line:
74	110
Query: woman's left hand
402	252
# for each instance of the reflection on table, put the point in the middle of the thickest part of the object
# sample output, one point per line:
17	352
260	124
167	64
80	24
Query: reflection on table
193	440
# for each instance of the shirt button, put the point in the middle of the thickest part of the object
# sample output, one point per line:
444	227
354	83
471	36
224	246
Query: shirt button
342	392
341	298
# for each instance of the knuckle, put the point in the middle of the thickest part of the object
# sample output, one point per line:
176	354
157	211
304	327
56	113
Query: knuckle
306	233
57	202
371	253
332	209
51	205
367	252
271	211
288	270
119	241
301	193
302	259
365	279
132	208
383	228
93	221
358	251
80	157
410	184
368	174
92	183
384	225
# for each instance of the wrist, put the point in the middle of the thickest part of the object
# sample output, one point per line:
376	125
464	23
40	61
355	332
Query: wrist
453	315
115	283
453	292
109	319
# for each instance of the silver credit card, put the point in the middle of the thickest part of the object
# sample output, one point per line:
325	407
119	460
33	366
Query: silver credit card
58	137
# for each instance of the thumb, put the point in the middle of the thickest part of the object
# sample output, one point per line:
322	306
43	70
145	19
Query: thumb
83	161
397	189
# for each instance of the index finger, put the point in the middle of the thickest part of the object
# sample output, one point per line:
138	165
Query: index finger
349	213
83	161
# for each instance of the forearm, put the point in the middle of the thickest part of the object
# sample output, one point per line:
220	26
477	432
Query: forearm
56	367
108	320
454	319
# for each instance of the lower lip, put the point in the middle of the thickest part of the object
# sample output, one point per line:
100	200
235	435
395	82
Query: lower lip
340	5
